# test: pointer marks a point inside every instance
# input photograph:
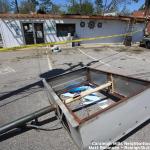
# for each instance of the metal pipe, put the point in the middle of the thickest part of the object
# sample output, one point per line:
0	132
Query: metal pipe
23	120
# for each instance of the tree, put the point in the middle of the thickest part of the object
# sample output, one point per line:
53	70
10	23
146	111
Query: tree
114	5
142	7
99	6
55	9
27	6
14	6
4	6
82	7
45	5
73	7
87	8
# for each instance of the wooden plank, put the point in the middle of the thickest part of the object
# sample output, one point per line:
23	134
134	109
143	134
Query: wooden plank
87	92
112	80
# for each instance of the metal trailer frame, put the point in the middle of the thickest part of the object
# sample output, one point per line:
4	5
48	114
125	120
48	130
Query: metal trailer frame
107	125
22	121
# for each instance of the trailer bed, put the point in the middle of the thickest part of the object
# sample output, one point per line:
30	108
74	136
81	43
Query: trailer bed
121	107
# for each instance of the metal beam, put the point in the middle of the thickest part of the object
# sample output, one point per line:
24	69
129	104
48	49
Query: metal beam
23	120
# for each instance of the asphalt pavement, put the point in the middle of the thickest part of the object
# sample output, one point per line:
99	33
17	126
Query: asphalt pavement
21	91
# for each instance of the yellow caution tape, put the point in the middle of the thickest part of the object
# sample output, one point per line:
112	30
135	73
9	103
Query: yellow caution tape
68	41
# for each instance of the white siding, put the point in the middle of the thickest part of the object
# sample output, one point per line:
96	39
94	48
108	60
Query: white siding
11	33
11	37
108	28
50	30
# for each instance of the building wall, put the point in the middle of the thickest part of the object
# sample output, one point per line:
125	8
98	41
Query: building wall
139	35
13	35
108	28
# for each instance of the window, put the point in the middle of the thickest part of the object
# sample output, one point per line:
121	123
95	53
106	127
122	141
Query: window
64	29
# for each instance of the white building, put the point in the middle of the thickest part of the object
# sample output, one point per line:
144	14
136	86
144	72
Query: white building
22	29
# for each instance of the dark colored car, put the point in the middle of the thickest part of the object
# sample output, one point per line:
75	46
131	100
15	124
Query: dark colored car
145	42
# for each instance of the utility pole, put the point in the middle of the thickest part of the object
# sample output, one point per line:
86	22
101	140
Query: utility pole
80	6
17	8
1	6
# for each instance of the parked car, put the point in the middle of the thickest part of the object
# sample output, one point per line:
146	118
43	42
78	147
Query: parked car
145	42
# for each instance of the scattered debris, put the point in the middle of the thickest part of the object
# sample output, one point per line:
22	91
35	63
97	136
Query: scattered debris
56	48
80	89
89	99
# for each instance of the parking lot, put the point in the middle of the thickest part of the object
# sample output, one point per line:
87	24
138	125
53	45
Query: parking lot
21	92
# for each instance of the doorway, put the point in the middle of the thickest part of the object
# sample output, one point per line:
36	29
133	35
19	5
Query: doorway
39	34
28	33
33	33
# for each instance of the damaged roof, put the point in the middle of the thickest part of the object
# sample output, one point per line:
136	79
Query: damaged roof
69	16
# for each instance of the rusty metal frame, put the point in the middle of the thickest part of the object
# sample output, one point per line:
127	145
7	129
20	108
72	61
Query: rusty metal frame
80	121
81	129
113	105
126	76
122	99
66	111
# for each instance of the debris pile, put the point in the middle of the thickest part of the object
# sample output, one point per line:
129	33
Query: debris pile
88	104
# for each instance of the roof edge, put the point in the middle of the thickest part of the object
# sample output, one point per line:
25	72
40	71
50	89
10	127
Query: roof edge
65	16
